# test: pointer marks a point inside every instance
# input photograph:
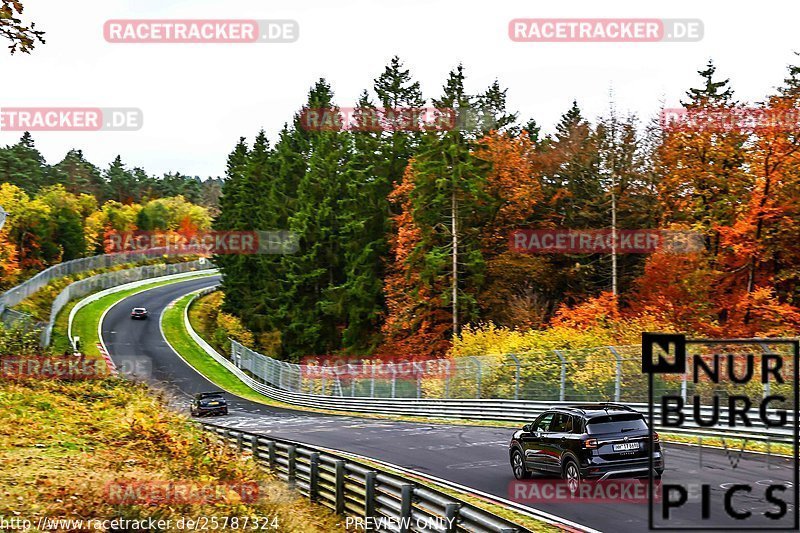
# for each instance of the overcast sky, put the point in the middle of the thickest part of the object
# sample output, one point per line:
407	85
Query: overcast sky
197	99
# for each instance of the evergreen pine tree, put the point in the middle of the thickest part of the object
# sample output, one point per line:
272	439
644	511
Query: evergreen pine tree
22	165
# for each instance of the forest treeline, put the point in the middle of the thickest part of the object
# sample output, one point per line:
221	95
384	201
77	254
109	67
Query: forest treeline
380	273
65	211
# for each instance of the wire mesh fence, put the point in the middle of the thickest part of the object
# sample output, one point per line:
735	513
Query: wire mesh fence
100	282
609	373
85	286
17	294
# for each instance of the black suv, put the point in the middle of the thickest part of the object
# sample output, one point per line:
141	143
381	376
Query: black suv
209	403
586	441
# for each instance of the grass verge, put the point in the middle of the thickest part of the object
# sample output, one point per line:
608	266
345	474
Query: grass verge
69	450
731	444
200	359
87	319
175	330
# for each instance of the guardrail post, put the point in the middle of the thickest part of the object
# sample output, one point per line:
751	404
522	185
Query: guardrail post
618	377
419	386
352	380
369	493
254	447
372	383
271	452
451	517
563	386
447	381
339	485
291	453
406	500
313	477
766	350
516	375
477	376
683	387
394	380
240	441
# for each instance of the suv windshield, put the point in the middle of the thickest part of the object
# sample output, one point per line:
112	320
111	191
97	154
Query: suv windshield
616	423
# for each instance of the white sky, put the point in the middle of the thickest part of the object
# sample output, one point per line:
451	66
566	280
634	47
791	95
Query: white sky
198	99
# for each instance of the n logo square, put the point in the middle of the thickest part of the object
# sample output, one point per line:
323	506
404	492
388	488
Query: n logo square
660	344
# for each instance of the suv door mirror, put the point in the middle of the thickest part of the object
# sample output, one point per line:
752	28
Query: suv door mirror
526	428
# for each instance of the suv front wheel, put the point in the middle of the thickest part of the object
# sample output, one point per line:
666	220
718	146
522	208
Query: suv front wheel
518	466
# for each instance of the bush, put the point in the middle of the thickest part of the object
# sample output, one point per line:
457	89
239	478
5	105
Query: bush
216	326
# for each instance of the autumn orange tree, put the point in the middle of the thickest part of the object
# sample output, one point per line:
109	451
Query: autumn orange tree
760	248
518	288
730	173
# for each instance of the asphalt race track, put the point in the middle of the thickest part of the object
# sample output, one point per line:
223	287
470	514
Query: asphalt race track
475	457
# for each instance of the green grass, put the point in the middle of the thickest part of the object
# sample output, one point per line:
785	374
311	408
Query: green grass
221	376
175	331
733	444
86	321
178	337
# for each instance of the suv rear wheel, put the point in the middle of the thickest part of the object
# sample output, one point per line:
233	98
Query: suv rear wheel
518	466
572	475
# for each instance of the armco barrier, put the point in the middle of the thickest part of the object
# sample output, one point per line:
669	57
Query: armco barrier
112	279
356	489
208	268
522	411
25	289
17	294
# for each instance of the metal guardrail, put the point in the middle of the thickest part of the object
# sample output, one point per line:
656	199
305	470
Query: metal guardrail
112	279
353	488
15	295
85	286
522	411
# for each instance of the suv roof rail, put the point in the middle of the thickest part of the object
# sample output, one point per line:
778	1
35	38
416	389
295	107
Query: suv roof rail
583	407
572	408
619	406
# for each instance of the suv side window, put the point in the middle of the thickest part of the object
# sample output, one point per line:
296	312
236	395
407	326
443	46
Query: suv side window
542	425
562	423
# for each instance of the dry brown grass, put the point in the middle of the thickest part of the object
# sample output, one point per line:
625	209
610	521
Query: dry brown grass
61	444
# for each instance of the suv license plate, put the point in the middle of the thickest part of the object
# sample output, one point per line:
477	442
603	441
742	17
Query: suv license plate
626	447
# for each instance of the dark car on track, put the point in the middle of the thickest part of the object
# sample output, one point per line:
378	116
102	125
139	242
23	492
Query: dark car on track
208	403
586	442
138	313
